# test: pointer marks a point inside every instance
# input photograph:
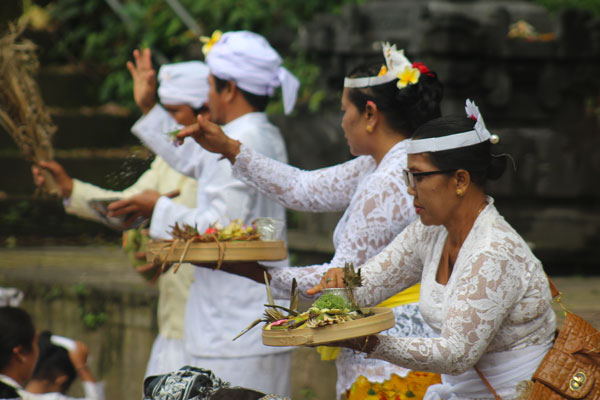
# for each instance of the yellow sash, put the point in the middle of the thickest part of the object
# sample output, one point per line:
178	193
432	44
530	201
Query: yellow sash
407	296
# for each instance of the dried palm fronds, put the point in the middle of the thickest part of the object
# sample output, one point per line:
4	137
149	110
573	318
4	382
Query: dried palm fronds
22	111
352	280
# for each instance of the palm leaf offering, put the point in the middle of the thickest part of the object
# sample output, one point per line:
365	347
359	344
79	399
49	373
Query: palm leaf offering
235	230
329	309
23	114
188	234
352	280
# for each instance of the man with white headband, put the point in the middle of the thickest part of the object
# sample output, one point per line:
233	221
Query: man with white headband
183	93
244	72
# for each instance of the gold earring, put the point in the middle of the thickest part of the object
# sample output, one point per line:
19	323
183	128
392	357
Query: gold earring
369	128
459	192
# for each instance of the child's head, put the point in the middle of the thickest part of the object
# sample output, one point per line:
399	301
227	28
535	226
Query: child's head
54	366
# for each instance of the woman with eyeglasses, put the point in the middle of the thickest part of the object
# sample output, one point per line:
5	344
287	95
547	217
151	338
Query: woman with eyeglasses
382	106
482	289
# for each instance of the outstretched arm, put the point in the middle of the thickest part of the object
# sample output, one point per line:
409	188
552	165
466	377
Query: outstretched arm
327	189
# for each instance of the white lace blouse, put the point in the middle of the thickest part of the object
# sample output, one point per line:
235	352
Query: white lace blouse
374	197
497	298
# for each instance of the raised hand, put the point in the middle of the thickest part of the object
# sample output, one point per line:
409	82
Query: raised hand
63	180
212	138
78	357
144	79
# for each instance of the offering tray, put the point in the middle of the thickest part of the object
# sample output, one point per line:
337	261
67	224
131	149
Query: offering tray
203	252
382	319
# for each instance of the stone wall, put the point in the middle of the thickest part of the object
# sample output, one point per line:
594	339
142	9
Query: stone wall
542	97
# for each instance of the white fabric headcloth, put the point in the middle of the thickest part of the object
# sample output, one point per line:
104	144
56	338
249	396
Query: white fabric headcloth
479	134
183	83
249	60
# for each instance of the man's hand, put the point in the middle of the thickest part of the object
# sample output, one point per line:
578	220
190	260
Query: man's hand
333	278
144	80
139	205
212	138
63	180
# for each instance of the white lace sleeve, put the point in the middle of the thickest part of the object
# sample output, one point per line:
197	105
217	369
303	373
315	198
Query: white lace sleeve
394	269
485	286
326	189
379	210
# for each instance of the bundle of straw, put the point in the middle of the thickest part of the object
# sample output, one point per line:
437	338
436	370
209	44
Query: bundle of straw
22	111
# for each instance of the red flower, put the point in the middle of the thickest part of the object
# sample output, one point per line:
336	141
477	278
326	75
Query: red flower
211	230
423	69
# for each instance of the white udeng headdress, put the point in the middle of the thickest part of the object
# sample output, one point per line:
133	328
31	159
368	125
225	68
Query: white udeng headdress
248	59
183	83
479	134
397	66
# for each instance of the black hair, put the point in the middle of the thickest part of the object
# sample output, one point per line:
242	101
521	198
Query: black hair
477	159
258	102
54	361
404	109
16	329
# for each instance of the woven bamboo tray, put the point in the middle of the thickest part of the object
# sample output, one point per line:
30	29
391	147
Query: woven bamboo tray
252	250
382	320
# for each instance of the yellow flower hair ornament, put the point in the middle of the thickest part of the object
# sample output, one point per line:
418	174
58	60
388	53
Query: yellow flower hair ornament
408	75
396	66
209	42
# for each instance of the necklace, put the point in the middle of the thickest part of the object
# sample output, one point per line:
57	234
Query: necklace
482	207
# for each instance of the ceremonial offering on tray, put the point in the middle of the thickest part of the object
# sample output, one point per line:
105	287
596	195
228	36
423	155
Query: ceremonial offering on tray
332	317
234	242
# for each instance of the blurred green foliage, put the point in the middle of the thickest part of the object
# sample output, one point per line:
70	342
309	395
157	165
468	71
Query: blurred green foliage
556	5
101	38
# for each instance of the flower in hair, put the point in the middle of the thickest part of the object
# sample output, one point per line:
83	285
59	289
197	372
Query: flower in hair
396	67
209	42
472	110
408	76
423	69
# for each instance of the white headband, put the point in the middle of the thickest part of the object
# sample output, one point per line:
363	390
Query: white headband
478	135
397	66
65	343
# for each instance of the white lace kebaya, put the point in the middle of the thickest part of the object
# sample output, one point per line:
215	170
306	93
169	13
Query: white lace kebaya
377	208
376	203
496	301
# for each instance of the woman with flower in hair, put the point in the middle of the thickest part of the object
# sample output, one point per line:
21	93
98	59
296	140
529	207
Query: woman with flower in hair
382	107
487	296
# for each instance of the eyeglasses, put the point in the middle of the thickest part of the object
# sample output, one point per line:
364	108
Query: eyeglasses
409	177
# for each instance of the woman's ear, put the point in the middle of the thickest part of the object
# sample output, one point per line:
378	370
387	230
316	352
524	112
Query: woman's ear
371	114
463	180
